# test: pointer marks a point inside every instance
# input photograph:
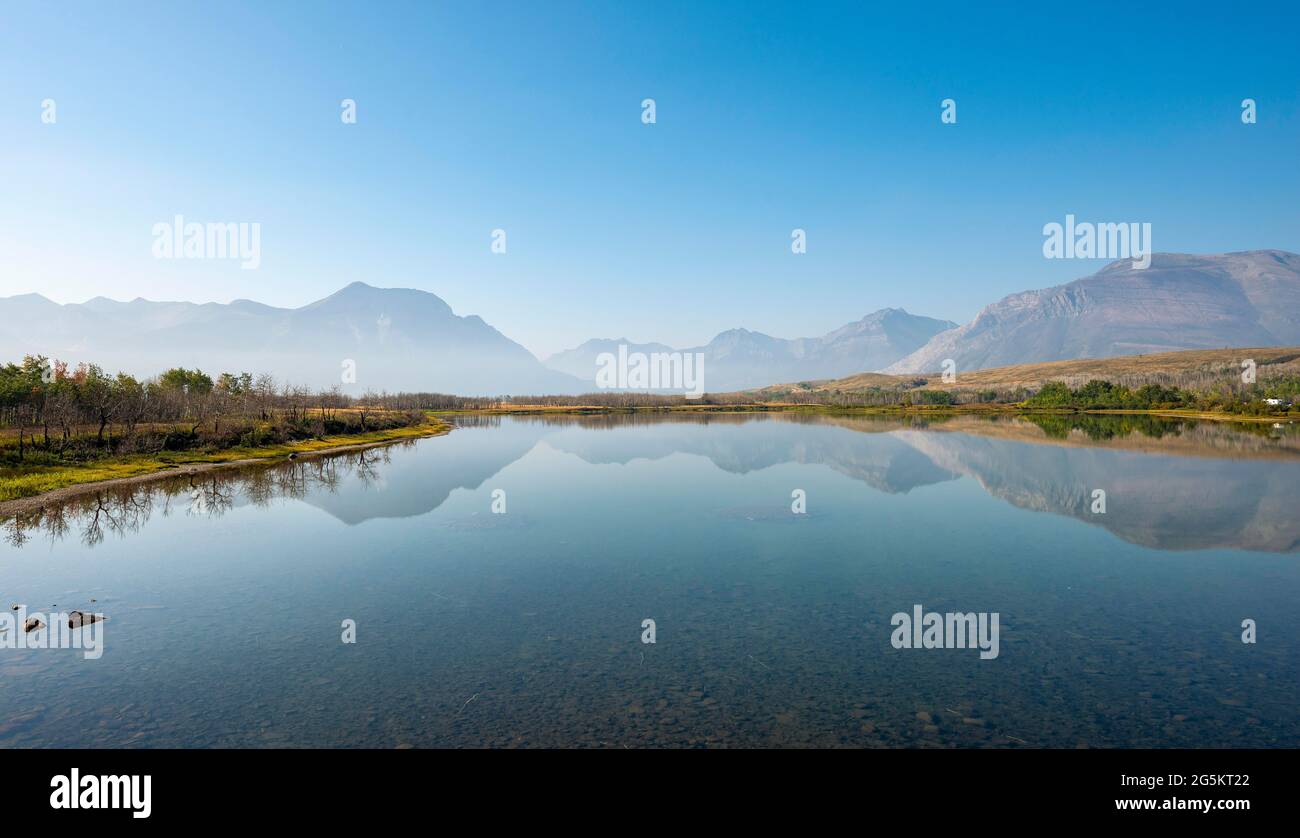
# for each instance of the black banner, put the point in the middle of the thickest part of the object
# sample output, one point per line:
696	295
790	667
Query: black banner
130	788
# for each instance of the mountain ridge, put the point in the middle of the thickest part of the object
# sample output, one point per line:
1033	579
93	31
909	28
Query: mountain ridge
740	358
396	339
1182	301
409	339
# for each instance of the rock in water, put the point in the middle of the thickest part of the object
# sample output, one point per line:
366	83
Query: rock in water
77	619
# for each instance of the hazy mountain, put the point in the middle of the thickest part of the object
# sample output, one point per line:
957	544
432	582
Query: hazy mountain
581	360
403	339
399	339
1181	301
739	359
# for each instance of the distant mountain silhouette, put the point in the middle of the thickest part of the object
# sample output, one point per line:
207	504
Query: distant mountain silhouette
580	361
739	359
1180	301
399	339
404	339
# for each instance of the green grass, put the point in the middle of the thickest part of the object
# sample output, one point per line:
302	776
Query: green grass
27	480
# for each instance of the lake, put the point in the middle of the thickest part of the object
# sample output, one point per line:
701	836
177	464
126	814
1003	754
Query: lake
226	593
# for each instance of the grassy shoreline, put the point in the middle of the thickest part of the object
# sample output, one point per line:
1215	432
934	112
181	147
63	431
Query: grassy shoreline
42	482
884	410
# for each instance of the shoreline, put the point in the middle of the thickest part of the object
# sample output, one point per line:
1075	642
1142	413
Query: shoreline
33	503
883	410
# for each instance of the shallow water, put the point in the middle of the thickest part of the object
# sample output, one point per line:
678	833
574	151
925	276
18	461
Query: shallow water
225	595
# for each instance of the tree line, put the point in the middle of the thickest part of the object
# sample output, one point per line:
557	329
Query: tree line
54	408
61	410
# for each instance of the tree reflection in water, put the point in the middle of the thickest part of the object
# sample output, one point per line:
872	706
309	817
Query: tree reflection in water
124	508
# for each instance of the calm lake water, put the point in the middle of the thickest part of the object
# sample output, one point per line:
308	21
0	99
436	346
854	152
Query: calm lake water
226	594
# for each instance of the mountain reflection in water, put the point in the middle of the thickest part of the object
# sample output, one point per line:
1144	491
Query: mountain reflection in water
1170	484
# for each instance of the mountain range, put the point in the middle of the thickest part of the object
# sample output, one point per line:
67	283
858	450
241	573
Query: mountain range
405	339
739	359
1181	301
393	338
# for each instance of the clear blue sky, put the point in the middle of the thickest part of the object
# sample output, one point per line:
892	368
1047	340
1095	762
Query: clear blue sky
474	116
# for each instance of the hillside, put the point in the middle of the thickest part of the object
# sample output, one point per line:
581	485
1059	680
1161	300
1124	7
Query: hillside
1129	369
1182	301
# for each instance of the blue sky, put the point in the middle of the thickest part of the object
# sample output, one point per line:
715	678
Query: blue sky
526	117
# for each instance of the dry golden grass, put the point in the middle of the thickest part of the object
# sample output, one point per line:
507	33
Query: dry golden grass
1079	371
